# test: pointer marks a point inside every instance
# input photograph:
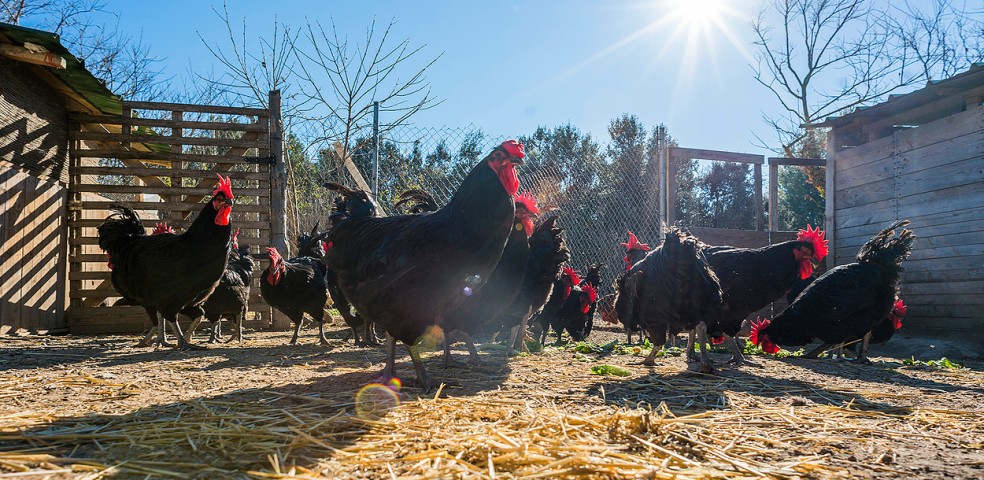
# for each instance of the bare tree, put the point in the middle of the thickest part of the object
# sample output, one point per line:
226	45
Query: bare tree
253	66
813	44
936	40
124	63
824	57
342	80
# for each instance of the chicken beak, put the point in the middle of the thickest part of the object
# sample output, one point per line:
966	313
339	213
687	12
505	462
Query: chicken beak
517	161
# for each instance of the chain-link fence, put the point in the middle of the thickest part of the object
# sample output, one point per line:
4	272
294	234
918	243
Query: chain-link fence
597	193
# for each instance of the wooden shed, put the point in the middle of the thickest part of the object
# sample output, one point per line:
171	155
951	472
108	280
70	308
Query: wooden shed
918	156
69	149
40	84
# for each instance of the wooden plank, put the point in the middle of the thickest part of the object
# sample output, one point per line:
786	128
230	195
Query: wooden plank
194	207
262	240
966	287
799	162
967	220
187	107
924	114
948	200
178	225
262	177
773	196
120	154
719	155
140	189
918	159
168	123
153	139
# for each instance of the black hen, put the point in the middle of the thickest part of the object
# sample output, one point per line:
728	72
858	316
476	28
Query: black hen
229	300
295	287
635	251
672	289
351	203
752	278
406	273
576	315
846	302
548	253
166	273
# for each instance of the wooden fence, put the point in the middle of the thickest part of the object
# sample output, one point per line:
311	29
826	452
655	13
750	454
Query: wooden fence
161	159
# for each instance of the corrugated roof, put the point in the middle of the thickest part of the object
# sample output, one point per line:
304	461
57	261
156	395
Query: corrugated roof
972	78
75	76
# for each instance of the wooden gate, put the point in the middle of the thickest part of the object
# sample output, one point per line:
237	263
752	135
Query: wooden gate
161	159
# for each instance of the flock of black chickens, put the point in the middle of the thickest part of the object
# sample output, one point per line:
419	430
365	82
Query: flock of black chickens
481	264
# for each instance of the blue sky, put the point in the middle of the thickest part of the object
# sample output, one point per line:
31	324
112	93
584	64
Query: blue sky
508	67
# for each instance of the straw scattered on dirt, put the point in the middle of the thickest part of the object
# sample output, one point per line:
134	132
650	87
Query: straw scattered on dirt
99	408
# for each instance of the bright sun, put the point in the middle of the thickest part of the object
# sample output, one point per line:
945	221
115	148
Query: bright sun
697	13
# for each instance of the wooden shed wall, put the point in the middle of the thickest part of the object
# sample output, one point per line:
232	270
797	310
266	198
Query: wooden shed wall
33	196
933	175
32	252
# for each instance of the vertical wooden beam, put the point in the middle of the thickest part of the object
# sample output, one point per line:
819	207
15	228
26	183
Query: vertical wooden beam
278	194
176	182
830	191
759	225
773	196
278	178
672	164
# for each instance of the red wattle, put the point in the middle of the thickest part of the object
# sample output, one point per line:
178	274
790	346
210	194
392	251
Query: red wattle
509	178
222	218
806	269
528	226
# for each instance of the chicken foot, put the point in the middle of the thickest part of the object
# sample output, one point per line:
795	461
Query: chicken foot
817	351
423	380
706	365
737	357
862	357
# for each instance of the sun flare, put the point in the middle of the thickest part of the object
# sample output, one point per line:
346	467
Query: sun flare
697	13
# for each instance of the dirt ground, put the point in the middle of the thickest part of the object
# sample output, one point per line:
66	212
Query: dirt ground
98	407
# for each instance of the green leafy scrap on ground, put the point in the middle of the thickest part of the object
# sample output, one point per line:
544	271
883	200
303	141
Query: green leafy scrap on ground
941	363
605	369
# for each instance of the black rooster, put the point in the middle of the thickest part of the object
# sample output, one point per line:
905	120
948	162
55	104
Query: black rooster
548	253
295	287
168	272
673	289
351	203
406	273
229	300
846	302
751	278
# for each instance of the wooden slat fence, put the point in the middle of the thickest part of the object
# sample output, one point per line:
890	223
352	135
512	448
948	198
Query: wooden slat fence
162	159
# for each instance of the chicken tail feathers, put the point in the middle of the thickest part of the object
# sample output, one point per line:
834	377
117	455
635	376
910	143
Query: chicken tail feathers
121	226
886	248
417	201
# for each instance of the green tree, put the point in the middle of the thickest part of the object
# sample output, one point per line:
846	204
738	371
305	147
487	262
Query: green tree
730	199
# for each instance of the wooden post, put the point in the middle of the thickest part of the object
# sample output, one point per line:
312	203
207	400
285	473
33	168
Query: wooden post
176	181
830	191
671	188
278	194
773	196
759	225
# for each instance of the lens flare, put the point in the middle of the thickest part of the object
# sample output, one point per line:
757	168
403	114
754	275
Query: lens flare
375	400
467	291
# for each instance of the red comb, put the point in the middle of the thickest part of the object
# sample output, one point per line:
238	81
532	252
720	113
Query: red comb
591	291
235	239
224	187
816	237
527	200
592	294
570	272
898	311
765	343
162	227
634	244
514	148
274	254
717	340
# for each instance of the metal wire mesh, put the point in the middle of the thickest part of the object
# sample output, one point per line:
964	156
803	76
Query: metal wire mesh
597	196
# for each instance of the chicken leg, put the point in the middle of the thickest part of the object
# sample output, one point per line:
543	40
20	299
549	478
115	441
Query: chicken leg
706	365
862	357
